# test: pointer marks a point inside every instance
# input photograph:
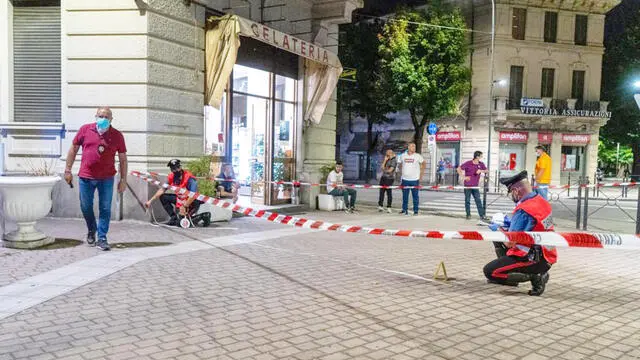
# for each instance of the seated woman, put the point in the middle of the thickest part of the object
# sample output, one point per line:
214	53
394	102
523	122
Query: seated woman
226	185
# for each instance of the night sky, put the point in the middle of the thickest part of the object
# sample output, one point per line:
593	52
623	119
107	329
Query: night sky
619	18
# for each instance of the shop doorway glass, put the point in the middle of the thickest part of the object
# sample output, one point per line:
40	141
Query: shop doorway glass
573	163
449	154
262	133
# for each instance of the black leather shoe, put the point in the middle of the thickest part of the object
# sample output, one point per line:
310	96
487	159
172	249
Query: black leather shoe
91	238
538	284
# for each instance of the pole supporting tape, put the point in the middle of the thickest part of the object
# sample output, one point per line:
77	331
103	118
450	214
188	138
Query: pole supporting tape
559	239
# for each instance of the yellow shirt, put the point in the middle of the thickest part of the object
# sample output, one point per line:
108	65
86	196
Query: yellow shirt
543	163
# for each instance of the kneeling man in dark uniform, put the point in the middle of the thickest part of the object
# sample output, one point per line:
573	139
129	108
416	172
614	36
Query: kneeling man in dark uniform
518	263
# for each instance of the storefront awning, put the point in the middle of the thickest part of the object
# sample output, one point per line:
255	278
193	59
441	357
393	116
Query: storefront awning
322	67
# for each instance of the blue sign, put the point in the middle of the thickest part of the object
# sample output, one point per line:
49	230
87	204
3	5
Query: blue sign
432	129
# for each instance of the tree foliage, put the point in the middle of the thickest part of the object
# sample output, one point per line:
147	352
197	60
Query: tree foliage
364	97
425	66
621	68
609	157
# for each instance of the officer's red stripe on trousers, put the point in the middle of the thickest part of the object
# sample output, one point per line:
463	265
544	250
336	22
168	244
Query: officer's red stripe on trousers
583	240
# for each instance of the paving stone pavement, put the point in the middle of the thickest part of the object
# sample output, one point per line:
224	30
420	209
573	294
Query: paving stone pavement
323	295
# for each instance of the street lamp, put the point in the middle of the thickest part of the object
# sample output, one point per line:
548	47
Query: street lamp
491	83
636	85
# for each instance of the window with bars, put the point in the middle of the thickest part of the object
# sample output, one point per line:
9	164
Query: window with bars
580	37
548	78
519	23
550	26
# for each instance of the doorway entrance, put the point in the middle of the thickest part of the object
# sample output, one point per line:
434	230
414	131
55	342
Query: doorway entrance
262	133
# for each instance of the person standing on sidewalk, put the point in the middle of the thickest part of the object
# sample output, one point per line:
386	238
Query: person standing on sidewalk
100	142
389	165
412	167
335	187
471	171
543	172
441	171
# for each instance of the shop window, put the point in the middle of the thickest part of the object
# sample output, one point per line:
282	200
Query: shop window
550	26
515	86
512	158
577	87
572	158
548	78
519	23
581	29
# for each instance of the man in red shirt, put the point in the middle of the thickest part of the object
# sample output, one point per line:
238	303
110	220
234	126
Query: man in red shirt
100	142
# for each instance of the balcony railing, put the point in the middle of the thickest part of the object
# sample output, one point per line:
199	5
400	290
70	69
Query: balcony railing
513	103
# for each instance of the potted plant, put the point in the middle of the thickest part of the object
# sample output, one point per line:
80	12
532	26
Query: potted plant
27	199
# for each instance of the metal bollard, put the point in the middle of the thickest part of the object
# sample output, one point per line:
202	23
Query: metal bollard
569	186
586	205
578	206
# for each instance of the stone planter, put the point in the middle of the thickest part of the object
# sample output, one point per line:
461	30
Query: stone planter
26	199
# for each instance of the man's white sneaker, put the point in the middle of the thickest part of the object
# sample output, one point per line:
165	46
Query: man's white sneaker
380	209
389	210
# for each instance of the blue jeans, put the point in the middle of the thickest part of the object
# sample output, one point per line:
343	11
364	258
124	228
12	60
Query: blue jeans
105	195
414	195
543	191
476	197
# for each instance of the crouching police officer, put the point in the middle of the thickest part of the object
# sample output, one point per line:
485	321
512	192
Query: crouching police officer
179	201
518	263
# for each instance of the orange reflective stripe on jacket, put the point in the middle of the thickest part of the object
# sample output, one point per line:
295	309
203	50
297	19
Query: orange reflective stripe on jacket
539	209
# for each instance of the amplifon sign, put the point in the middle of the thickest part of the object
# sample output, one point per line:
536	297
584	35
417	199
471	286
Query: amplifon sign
581	139
448	136
514	137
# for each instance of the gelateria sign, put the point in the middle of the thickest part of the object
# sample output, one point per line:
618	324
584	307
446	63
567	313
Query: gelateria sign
287	42
528	110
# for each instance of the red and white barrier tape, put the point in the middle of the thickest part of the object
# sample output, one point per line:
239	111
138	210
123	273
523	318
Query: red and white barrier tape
583	240
421	187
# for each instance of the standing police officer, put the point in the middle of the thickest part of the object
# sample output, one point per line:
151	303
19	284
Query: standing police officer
518	263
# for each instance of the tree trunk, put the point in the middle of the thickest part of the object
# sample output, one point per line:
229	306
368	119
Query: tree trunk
369	146
418	126
418	136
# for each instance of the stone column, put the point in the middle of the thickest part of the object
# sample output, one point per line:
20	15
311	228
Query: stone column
556	158
319	140
530	153
148	66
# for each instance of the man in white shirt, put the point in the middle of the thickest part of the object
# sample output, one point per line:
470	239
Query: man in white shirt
335	187
412	167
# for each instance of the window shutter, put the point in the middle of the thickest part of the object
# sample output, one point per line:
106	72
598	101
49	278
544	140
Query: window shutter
36	64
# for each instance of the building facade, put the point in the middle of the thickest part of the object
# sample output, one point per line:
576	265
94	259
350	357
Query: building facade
146	60
546	86
547	70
